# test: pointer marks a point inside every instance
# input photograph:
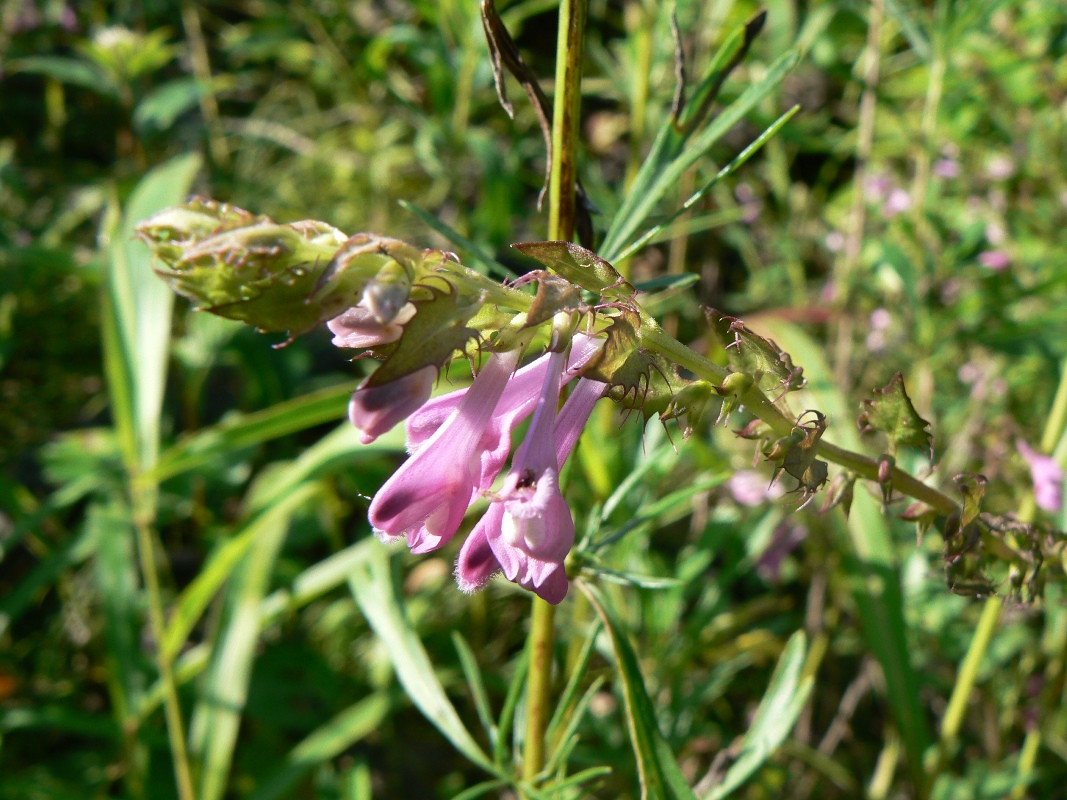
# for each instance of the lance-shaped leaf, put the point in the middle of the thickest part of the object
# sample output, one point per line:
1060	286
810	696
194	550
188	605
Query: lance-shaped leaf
578	265
756	355
890	411
438	329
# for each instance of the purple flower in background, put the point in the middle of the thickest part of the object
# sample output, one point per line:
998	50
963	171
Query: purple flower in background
1047	475
897	202
946	168
750	488
1000	168
996	260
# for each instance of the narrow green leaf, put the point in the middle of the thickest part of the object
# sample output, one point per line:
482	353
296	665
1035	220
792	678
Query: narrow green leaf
479	256
309	585
165	103
217	716
142	303
244	430
567	699
73	71
469	663
373	587
326	742
632	215
777	714
697	196
196	597
115	570
661	777
511	702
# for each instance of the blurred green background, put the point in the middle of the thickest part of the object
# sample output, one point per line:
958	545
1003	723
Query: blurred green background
911	217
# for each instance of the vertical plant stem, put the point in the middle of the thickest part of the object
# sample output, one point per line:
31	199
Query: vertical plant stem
538	685
142	522
209	107
561	214
565	119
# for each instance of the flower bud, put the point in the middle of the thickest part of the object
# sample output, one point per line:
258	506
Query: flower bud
276	277
374	410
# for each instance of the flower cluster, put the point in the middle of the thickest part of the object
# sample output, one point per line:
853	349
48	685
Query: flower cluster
413	311
459	443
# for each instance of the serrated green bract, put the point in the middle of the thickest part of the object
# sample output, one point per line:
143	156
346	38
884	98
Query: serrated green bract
765	361
639	378
438	329
795	454
890	411
578	265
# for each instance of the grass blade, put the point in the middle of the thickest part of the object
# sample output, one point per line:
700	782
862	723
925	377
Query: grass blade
777	714
375	591
661	777
326	742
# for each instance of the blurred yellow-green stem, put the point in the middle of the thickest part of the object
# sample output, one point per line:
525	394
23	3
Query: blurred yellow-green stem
561	217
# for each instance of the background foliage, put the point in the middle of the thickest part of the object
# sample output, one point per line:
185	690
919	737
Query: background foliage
909	218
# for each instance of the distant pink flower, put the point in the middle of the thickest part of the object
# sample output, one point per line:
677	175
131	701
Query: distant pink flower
750	488
897	202
374	410
996	260
946	168
999	168
1047	476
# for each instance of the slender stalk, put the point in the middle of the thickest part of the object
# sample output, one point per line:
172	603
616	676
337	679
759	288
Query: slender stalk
561	216
142	522
565	118
538	686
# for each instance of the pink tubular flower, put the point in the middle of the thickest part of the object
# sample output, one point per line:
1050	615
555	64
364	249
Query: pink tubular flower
1047	475
516	404
428	496
358	328
376	409
528	527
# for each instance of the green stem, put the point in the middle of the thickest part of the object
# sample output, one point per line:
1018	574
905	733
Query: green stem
561	216
758	403
565	117
143	504
538	686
